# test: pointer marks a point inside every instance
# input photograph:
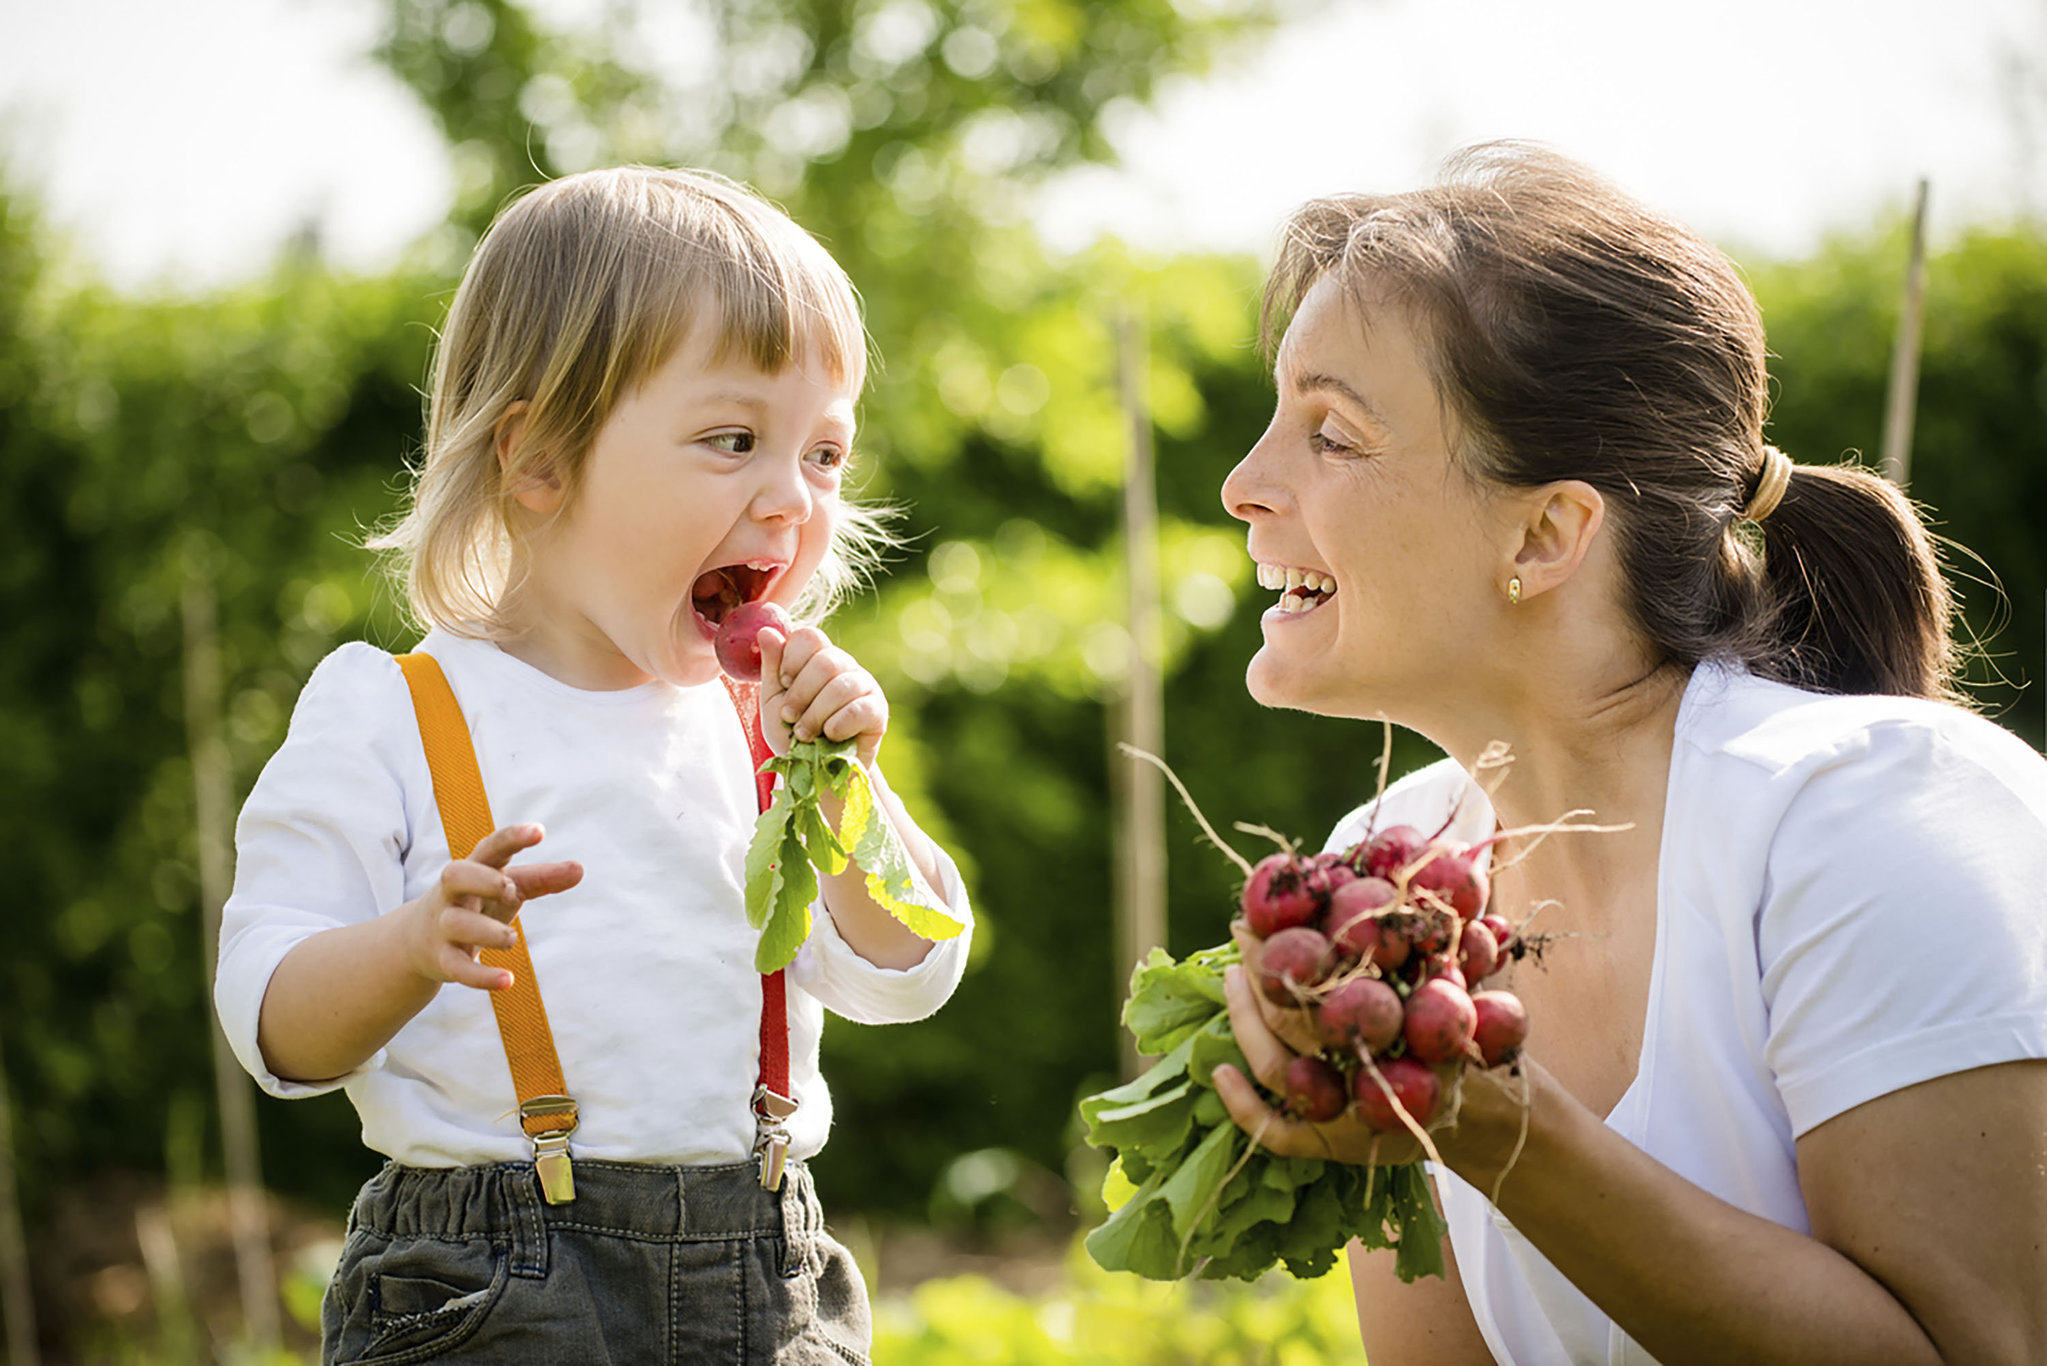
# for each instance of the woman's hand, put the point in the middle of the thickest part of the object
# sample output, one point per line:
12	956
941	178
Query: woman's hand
811	687
1489	1103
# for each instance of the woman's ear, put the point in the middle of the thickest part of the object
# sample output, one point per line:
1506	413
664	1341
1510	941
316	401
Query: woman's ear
536	489
1562	523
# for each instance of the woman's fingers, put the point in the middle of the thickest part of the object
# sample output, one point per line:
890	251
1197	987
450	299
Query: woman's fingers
1272	1130
1263	1049
1291	1027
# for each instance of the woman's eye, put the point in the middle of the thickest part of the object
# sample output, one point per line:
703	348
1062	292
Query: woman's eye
1324	442
733	443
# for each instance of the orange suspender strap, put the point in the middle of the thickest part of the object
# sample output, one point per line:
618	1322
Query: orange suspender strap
546	1111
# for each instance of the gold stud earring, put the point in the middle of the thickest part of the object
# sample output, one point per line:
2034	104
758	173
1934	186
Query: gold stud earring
1514	591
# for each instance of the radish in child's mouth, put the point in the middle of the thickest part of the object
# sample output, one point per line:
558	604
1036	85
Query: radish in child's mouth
718	591
1300	590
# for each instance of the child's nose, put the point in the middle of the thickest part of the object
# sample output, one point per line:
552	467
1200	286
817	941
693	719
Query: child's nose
785	496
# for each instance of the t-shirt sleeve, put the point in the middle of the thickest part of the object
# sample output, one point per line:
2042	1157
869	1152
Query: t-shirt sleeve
1903	933
321	840
855	989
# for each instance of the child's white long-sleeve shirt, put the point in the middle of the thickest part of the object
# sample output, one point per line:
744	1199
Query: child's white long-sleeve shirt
646	967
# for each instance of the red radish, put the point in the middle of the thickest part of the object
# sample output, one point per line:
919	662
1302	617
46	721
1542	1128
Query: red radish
1355	927
1327	874
1439	1021
1293	961
1445	970
1502	1026
1312	1090
1458	878
1391	850
1428	929
1502	931
1478	953
1361	1013
1278	896
738	640
1406	1080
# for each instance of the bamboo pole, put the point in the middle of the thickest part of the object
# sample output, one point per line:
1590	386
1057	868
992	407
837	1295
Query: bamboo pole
1902	395
213	804
1141	814
17	1297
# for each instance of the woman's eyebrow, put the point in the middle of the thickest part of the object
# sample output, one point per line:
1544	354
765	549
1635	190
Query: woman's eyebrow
1322	383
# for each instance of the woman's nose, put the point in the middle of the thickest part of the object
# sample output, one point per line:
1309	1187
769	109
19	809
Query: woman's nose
1249	490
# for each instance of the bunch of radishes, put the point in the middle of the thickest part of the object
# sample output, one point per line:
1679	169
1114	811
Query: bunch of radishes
1381	944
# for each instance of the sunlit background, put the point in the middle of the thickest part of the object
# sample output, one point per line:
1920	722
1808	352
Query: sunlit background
229	227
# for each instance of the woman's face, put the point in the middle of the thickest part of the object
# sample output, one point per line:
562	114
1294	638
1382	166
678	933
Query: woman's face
1390	562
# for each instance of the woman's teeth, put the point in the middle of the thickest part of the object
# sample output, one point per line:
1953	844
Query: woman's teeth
1300	589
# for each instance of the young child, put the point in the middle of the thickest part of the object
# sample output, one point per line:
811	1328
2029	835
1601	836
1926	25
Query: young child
642	409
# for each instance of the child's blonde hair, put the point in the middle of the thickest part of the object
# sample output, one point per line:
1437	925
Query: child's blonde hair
577	293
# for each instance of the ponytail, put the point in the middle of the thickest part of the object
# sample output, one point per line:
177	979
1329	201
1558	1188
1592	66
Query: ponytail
1855	598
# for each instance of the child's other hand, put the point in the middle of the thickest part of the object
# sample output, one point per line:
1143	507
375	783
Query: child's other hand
471	907
811	687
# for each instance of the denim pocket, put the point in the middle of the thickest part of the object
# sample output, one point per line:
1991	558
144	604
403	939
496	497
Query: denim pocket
412	1300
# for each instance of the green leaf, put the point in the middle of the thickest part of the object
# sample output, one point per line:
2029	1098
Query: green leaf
764	873
1213	1045
823	846
1191	1192
789	921
1170	1000
865	832
1137	1237
1419	1251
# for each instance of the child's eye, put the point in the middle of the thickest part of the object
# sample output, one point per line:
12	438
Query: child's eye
830	457
733	443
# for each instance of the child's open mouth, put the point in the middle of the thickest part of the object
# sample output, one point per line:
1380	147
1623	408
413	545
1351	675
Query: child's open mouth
718	591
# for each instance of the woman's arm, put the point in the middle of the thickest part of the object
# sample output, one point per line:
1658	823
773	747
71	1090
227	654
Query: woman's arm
1424	1323
1928	1208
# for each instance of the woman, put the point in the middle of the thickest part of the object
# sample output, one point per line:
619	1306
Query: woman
1785	1095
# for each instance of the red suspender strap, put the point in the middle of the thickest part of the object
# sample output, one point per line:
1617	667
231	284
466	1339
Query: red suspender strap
772	1100
546	1112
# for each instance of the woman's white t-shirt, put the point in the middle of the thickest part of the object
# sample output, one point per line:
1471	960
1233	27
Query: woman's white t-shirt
645	968
1851	899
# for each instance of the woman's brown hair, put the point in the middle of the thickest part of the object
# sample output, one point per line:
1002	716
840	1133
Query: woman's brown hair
1576	334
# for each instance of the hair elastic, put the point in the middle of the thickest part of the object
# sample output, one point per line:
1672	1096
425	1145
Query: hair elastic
1771	482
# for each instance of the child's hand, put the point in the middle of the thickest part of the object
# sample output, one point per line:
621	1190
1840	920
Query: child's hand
470	908
811	687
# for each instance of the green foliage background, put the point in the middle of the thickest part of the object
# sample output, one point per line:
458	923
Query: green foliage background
246	439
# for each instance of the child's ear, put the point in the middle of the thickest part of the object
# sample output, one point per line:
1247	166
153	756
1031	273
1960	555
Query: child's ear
536	489
1562	522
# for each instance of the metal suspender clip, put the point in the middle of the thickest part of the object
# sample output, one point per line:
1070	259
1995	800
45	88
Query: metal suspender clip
771	1139
551	1148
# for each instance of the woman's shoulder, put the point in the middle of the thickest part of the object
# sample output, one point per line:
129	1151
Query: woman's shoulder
1430	797
1788	735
